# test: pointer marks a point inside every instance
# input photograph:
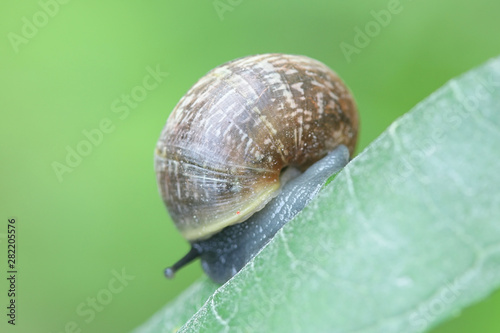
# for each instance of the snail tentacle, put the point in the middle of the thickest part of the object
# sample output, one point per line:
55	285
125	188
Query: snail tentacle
190	256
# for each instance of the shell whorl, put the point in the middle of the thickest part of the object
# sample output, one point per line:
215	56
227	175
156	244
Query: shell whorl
219	157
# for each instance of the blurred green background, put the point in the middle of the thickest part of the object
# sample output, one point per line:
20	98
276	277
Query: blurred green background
66	69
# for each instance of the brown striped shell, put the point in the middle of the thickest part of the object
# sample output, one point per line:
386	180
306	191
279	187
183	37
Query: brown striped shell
219	157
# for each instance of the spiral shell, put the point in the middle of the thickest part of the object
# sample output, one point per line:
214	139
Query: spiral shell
220	155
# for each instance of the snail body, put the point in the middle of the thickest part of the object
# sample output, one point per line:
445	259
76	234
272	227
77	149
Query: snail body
221	154
226	252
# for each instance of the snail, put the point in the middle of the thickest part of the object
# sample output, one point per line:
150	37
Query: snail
245	150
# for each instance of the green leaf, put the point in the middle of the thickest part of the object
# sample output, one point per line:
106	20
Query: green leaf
405	237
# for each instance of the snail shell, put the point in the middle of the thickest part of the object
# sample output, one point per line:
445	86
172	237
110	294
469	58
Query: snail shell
221	153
